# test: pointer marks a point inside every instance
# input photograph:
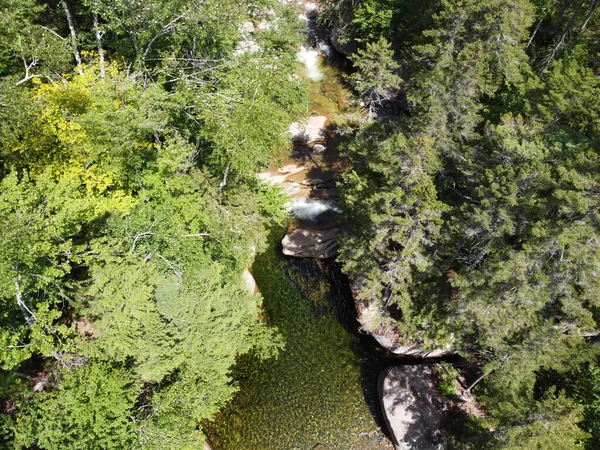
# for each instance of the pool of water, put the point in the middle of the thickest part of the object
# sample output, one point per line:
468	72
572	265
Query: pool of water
319	393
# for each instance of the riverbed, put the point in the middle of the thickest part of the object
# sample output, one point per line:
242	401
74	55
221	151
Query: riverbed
313	395
320	392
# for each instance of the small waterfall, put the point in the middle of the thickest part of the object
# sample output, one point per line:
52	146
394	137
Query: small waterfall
310	210
310	59
325	49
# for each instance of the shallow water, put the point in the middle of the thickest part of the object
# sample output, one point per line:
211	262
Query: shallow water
316	392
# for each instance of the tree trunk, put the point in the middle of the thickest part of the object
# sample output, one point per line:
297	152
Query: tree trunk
589	16
73	37
534	33
563	37
100	49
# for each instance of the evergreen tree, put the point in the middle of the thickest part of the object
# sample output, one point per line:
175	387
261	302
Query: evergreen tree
376	78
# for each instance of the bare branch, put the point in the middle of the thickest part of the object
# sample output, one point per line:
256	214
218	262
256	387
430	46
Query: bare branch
173	267
53	32
73	36
160	33
29	316
140	235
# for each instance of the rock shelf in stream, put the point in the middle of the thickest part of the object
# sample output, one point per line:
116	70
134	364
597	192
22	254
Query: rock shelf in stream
314	231
310	132
305	243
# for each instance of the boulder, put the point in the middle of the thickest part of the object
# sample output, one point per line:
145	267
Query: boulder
340	42
311	132
281	176
306	243
318	149
411	408
314	182
250	282
387	342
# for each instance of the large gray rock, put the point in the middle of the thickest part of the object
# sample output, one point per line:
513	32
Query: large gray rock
305	243
411	408
345	46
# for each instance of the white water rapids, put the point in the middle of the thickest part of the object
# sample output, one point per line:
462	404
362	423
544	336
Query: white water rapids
306	209
310	59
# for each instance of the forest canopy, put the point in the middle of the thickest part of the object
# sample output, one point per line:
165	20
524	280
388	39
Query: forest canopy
472	208
130	135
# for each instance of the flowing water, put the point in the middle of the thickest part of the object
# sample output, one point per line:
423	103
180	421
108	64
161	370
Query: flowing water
310	59
320	393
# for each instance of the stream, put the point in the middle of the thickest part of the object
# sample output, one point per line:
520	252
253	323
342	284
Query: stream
321	392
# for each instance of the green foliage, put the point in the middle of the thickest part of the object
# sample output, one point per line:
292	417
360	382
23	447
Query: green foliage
39	253
472	49
92	409
26	43
376	78
448	375
473	219
394	216
374	19
551	423
273	201
127	216
585	386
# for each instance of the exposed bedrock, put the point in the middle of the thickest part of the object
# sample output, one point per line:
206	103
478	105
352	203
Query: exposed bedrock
411	407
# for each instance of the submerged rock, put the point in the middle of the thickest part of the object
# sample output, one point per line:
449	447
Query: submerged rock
305	243
411	408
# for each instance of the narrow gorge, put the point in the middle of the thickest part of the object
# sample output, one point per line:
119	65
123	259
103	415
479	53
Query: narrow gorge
324	391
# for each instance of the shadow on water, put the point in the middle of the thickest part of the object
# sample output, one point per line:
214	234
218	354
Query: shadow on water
339	301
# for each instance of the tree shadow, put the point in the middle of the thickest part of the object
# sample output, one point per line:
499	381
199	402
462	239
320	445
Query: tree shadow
374	359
